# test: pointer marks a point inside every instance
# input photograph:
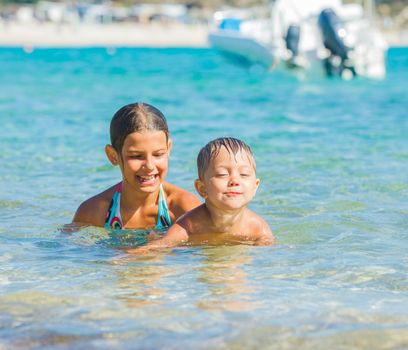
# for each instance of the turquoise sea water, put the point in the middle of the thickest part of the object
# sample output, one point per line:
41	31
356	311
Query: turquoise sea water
333	162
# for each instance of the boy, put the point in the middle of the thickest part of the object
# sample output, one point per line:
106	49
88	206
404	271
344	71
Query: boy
227	182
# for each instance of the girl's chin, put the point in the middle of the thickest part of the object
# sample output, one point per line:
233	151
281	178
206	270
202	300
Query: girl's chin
148	189
149	186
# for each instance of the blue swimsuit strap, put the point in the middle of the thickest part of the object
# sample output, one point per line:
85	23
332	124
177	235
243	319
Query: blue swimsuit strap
163	215
113	218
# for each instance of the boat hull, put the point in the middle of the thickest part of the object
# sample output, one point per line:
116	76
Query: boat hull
246	48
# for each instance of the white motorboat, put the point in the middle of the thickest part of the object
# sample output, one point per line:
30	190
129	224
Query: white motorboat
310	36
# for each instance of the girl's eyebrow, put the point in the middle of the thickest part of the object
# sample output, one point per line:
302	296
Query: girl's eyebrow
142	151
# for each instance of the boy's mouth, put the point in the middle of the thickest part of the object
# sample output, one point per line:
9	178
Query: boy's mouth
147	180
233	193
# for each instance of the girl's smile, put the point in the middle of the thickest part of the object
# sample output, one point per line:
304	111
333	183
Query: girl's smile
147	180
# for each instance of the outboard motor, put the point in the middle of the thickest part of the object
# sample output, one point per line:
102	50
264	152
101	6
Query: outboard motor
292	39
292	45
333	33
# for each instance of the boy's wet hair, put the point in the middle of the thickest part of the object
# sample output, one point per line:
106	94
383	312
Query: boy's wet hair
212	148
135	117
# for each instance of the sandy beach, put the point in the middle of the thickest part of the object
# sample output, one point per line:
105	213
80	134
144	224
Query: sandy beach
106	35
34	34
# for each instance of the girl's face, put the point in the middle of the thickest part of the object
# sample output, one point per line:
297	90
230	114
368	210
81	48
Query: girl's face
144	160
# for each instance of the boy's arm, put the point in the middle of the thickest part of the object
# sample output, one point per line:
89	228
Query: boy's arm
176	235
265	236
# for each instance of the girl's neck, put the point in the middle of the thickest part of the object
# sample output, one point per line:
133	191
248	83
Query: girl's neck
133	199
224	221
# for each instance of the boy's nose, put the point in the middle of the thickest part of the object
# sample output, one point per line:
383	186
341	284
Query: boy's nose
233	181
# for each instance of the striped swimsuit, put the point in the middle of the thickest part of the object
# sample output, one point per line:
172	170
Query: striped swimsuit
114	219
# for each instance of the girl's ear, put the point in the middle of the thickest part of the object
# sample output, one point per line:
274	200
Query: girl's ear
200	188
112	155
169	145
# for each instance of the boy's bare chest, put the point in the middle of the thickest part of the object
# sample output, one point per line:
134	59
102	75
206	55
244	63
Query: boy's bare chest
219	238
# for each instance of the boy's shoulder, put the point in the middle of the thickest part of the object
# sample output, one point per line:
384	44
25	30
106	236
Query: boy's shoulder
258	228
195	220
93	210
253	220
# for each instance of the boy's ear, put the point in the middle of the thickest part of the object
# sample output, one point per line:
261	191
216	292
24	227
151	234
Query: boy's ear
257	183
200	188
112	155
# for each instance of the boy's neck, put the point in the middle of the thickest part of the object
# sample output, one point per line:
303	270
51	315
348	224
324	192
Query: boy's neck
223	221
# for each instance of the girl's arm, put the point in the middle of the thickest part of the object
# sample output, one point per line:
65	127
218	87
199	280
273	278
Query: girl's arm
89	213
93	211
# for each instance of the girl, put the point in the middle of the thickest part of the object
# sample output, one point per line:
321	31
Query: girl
140	146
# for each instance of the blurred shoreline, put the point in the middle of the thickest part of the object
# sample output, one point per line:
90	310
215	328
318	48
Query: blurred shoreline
14	34
103	35
396	38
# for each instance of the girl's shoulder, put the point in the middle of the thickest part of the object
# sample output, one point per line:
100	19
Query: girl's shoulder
93	210
179	200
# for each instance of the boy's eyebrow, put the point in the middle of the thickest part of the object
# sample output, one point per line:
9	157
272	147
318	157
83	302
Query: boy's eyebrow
222	166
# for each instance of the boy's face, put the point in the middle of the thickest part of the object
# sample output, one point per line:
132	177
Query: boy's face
229	182
144	160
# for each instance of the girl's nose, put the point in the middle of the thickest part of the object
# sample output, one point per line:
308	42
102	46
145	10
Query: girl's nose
149	164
